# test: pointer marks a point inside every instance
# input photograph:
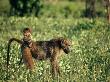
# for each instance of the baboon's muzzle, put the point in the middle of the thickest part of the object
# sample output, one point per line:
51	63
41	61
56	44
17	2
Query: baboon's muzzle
66	50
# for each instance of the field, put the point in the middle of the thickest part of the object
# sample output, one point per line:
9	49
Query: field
89	60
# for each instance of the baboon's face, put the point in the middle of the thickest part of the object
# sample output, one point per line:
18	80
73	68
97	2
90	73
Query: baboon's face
65	45
26	34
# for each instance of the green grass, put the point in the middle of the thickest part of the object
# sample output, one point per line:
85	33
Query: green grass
89	60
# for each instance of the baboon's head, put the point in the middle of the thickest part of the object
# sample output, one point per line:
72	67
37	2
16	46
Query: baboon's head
65	45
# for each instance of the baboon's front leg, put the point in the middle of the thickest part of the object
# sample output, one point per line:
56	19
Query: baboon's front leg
55	67
53	64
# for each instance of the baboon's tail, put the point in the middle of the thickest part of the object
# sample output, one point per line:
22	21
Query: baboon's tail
8	50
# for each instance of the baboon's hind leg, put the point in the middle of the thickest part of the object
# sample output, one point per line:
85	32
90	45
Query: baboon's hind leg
27	58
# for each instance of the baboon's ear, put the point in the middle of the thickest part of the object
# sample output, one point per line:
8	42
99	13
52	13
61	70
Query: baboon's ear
62	41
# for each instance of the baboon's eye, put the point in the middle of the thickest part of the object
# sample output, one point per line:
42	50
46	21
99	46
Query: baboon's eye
69	45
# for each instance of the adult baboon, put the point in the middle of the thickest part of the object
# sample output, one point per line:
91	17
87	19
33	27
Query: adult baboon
42	50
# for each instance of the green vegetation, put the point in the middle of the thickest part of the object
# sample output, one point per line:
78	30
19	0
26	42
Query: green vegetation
55	9
89	60
62	9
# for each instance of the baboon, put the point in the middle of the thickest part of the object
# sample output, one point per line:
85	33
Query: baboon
27	37
41	50
26	42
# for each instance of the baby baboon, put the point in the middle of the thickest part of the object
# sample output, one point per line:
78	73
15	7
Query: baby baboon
26	42
27	37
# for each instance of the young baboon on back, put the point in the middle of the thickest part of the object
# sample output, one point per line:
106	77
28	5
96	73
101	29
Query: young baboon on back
25	48
25	43
27	40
